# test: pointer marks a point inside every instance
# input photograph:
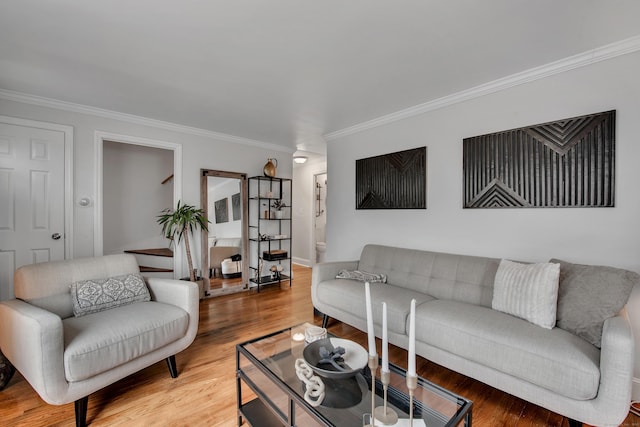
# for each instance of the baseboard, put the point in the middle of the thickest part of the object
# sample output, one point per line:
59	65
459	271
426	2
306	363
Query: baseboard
635	389
302	261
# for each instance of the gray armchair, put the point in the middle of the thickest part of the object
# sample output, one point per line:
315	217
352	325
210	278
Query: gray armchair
66	357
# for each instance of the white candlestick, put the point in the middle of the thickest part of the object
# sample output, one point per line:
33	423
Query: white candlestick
370	334
411	370
385	340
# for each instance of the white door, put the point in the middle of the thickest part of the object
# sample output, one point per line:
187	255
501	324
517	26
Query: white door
32	199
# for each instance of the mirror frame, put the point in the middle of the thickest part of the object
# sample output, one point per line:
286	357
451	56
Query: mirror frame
204	202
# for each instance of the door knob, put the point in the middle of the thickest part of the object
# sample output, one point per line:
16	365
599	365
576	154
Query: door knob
55	236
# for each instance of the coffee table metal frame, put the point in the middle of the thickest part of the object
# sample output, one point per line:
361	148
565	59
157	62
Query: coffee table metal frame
262	411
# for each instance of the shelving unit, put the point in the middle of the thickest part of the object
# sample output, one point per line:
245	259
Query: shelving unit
269	231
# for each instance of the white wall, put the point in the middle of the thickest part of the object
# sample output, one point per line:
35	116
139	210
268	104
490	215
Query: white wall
134	192
199	150
608	236
303	243
602	235
220	188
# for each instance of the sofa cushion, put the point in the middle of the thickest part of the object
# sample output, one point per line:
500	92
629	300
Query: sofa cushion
551	358
443	276
528	291
90	296
348	295
98	342
589	295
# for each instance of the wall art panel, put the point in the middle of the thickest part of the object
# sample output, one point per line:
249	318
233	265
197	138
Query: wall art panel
392	181
222	211
566	163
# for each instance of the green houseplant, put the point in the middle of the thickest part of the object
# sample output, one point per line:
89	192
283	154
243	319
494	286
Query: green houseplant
179	223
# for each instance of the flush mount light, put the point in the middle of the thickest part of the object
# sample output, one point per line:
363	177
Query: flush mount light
300	159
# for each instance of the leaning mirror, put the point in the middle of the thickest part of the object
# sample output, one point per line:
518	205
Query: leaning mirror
223	247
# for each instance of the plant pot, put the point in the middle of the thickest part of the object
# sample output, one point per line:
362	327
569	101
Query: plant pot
278	214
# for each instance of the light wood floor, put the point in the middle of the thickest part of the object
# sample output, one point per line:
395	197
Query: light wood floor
204	392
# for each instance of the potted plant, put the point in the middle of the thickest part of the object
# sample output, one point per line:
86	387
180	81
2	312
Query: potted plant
278	205
179	223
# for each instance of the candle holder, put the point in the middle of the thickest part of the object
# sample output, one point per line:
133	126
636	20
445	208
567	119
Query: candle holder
387	416
373	366
412	384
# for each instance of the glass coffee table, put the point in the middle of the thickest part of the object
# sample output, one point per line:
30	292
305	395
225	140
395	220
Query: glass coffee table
270	393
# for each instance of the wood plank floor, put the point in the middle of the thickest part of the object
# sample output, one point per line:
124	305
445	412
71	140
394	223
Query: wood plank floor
204	394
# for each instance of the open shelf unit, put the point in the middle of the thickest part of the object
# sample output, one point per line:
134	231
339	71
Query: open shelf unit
269	231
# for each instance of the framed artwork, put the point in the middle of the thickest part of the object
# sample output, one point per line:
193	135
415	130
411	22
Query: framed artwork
235	206
392	181
566	163
222	211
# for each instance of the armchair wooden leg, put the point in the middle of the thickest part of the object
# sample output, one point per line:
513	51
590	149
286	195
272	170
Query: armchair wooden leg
6	371
171	363
81	411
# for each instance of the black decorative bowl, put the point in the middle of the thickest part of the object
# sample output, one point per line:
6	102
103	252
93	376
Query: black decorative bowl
354	359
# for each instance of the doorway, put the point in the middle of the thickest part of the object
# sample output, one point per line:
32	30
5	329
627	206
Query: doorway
136	188
102	138
320	219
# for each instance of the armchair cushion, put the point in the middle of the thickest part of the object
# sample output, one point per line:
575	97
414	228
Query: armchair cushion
101	341
90	296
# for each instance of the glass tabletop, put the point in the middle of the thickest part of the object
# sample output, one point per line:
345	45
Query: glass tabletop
268	365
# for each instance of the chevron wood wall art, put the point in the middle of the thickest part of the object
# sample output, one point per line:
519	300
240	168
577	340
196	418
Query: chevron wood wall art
566	163
392	181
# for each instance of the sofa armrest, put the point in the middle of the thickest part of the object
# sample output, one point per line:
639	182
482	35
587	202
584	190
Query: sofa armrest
616	368
328	270
32	338
180	293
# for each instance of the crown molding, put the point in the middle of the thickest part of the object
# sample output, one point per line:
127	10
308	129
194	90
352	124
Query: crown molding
130	118
584	59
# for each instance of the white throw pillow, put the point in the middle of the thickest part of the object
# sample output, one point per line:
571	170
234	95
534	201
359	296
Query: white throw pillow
528	291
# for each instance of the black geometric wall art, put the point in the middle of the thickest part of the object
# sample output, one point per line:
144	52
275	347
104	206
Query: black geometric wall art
392	181
235	206
222	211
566	163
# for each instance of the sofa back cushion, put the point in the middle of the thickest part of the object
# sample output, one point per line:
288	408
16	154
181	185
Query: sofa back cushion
444	276
47	285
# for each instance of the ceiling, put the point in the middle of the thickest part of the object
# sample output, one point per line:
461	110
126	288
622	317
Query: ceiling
287	72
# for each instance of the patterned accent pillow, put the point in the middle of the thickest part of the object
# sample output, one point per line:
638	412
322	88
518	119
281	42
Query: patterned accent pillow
362	276
91	296
528	291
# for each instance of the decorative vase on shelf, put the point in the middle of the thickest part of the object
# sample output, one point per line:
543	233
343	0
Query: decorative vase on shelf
278	214
270	168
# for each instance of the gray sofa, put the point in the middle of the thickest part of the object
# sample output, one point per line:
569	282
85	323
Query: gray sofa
68	348
456	327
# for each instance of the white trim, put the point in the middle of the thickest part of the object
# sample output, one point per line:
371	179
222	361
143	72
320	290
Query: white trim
99	138
130	118
593	56
68	173
635	389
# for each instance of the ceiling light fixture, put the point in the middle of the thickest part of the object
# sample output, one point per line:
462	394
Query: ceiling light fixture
300	159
